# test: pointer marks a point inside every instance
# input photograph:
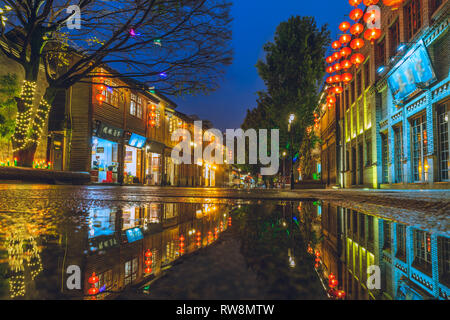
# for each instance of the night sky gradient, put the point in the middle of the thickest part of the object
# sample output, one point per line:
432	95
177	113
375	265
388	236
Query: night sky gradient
254	24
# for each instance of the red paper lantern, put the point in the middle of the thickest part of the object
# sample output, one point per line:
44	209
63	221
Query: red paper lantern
336	45
357	29
357	44
347	77
357	59
340	294
181	238
101	97
344	26
338	90
395	4
330	59
148	270
336	56
333	283
317	253
337	78
356	14
316	265
368	3
93	279
370	16
345	38
330	100
148	253
345	52
101	87
331	276
330	80
330	69
346	64
337	67
372	34
354	3
93	290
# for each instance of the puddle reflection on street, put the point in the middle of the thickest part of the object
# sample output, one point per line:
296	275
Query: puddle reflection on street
260	250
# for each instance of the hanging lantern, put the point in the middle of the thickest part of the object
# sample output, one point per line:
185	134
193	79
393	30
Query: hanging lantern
394	4
340	294
331	276
93	290
346	64
93	279
345	52
357	29
330	90
345	38
344	26
330	69
337	67
347	77
337	78
370	2
356	14
338	90
317	253
354	3
370	16
336	45
333	283
330	80
316	266
330	59
330	100
101	97
148	253
372	34
148	270
336	56
357	59
101	87
329	105
357	44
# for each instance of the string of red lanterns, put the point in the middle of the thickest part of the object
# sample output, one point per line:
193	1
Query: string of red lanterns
93	280
148	261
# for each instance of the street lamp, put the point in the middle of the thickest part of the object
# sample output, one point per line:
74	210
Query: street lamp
291	120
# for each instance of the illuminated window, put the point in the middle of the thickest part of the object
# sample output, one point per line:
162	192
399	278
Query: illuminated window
443	112
386	235
367	73
401	241
394	36
111	93
422	251
419	145
131	268
136	106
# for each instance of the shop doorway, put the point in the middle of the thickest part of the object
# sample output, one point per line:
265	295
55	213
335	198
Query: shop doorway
133	165
104	161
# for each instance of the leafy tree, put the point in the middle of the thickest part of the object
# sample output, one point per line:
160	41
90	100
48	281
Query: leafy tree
177	46
9	91
292	72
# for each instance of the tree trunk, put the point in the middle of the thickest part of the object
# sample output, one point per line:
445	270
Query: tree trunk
25	156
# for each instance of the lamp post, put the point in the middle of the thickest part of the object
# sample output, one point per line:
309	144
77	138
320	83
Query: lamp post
291	120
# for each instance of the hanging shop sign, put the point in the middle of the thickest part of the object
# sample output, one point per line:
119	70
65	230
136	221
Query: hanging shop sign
415	72
137	141
109	132
134	234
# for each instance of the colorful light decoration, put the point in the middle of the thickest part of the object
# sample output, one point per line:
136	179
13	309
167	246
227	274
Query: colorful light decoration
345	38
357	59
199	239
345	52
133	33
357	43
336	56
340	294
330	100
229	221
372	34
330	59
152	117
394	4
357	29
354	3
330	80
356	14
333	283
330	69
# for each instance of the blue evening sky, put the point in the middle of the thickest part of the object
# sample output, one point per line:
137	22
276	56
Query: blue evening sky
254	24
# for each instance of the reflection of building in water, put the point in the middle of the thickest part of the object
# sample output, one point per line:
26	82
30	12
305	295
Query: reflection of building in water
414	263
118	240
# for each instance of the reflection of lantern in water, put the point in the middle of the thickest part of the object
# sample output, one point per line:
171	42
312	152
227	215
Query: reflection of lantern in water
221	226
229	221
181	244
216	233
199	238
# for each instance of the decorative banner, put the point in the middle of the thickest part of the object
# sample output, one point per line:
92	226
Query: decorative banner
414	71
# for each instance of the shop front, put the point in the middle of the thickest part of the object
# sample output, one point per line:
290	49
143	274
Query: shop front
154	163
105	155
133	159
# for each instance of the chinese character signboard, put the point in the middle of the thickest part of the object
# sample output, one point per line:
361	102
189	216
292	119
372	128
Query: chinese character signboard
415	71
109	132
